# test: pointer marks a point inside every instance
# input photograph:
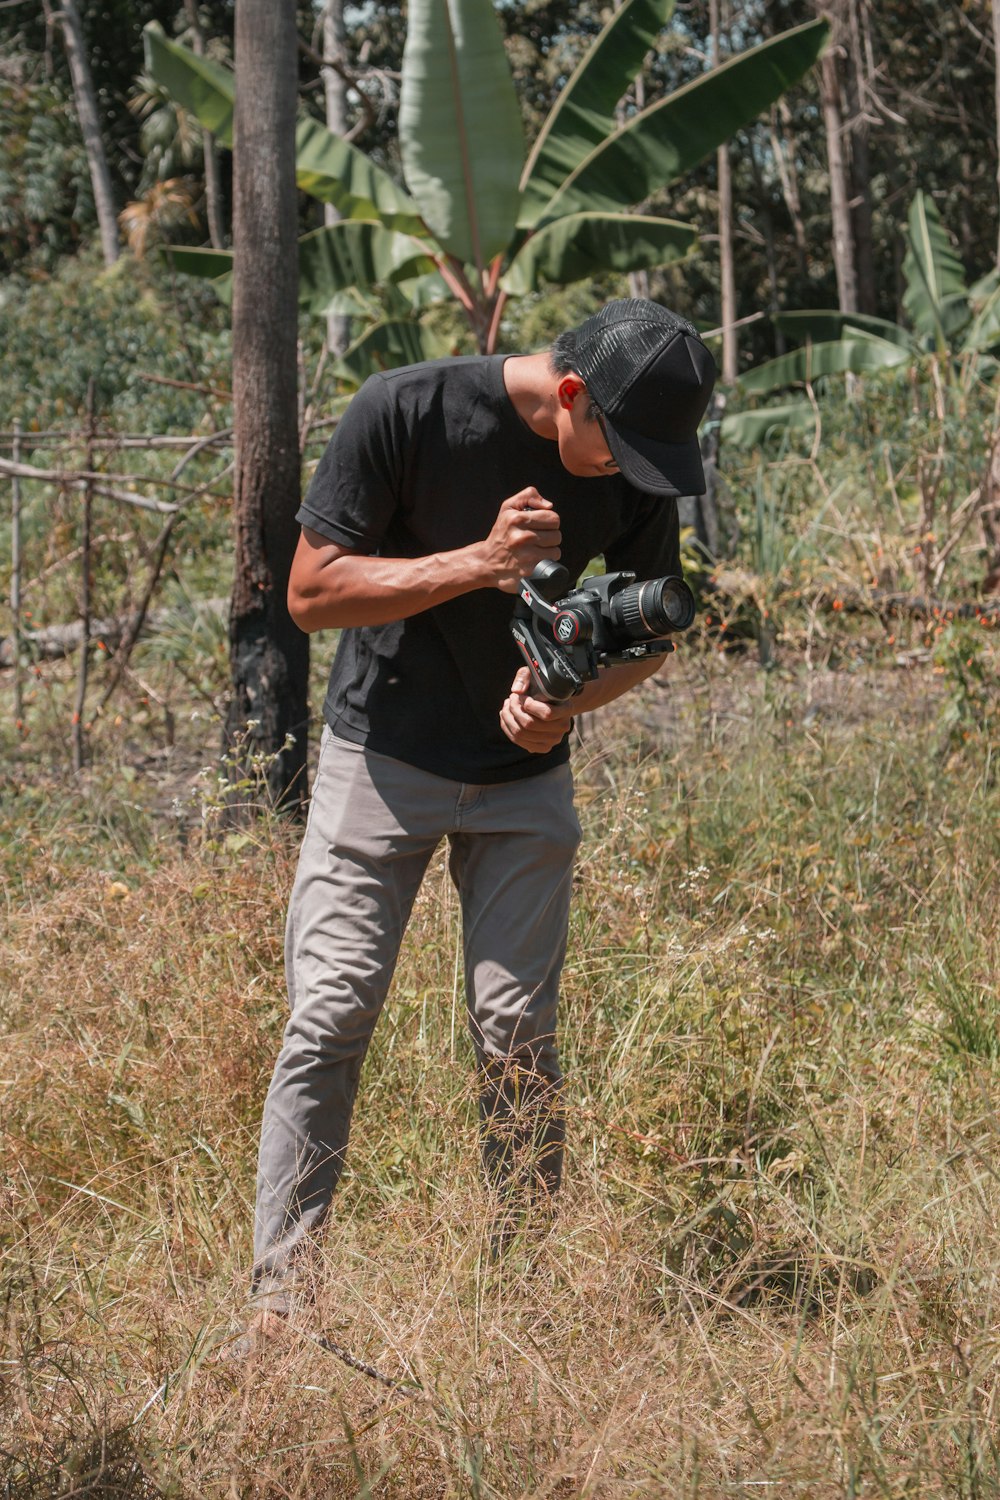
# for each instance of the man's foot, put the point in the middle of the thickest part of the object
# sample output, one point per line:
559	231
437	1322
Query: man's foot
261	1330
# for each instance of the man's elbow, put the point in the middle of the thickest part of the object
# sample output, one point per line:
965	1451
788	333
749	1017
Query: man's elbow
304	608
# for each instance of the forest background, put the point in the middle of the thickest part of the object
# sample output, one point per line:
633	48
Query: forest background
775	1262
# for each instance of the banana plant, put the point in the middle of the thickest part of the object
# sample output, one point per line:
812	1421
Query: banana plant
956	325
480	213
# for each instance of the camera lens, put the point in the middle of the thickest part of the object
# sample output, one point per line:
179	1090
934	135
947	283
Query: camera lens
644	611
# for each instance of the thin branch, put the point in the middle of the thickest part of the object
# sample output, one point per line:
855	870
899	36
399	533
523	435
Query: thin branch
185	385
138	618
78	479
138	440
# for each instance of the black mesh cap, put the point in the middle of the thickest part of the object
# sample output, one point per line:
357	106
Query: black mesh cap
652	376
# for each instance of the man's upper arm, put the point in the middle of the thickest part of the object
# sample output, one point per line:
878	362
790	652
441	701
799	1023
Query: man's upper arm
355	489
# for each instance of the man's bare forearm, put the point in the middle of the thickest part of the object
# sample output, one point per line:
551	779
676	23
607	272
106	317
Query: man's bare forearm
333	586
612	682
355	589
538	726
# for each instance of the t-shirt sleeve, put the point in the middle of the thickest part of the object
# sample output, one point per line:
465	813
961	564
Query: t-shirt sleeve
355	490
649	546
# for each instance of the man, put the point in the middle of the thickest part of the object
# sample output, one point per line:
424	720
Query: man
444	484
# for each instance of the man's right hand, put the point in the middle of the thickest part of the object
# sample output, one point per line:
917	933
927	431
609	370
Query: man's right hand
525	533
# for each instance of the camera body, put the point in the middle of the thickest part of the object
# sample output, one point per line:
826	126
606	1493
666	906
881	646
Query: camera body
566	637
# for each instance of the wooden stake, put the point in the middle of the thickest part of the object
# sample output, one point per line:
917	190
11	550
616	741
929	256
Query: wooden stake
15	580
79	745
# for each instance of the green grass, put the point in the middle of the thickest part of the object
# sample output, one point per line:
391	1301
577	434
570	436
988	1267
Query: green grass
774	1265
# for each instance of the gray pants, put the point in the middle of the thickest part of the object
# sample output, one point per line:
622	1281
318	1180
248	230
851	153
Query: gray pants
373	825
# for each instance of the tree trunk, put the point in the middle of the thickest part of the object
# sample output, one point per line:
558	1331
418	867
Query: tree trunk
996	94
213	182
86	110
338	327
269	655
638	281
843	238
719	18
860	170
767	230
784	156
701	512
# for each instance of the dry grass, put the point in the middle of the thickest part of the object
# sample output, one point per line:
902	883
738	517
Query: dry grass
774	1268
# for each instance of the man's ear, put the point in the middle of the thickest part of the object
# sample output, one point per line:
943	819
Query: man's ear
568	389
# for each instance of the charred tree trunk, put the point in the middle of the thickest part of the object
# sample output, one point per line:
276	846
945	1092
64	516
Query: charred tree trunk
85	101
269	655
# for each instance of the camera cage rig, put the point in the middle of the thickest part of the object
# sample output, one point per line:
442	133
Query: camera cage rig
566	635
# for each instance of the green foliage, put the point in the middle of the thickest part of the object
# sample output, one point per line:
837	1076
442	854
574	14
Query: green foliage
941	310
113	326
972	694
45	196
36	104
462	160
460	129
936	297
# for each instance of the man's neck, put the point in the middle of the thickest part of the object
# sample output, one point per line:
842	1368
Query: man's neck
530	385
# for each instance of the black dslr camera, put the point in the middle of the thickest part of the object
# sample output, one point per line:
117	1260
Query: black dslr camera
565	637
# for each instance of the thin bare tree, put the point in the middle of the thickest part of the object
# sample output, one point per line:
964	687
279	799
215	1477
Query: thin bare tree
718	24
838	169
210	156
338	327
67	18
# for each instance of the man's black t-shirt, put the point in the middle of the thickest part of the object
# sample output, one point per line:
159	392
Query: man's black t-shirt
420	463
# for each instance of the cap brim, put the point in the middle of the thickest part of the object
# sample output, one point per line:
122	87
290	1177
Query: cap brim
658	468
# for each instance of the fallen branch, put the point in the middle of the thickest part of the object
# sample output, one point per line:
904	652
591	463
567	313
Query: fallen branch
914	606
53	642
732	589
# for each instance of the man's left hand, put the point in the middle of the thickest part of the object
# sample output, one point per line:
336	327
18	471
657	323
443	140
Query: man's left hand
533	723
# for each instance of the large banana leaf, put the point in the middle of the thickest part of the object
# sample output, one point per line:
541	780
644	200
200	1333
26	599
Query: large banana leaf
660	143
214	265
386	347
332	260
205	88
584	113
816	360
984	299
580	245
936	296
329	169
421	292
354	253
460	133
326	166
745	429
821	324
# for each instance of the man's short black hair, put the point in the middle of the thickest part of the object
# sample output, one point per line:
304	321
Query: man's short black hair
561	359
